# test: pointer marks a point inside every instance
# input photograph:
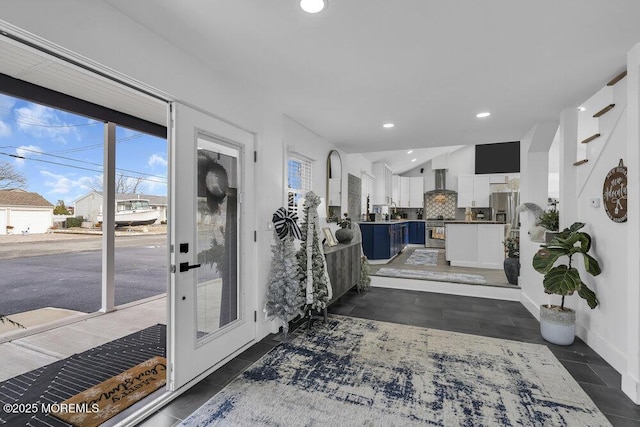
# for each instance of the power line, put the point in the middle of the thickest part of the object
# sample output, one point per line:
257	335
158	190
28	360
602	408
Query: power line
70	159
142	177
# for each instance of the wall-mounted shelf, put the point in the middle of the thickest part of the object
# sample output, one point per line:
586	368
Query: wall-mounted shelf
580	162
604	110
617	78
591	138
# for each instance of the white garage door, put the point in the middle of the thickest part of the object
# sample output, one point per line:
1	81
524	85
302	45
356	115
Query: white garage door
33	221
3	221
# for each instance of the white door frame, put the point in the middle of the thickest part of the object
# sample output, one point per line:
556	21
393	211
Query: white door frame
189	356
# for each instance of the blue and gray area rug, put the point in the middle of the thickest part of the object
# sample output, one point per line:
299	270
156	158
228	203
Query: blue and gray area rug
354	372
423	257
437	276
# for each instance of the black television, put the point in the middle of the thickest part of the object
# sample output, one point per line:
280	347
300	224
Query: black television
501	157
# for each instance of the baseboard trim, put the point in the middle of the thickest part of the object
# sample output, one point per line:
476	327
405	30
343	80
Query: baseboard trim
612	355
631	387
608	352
528	303
480	291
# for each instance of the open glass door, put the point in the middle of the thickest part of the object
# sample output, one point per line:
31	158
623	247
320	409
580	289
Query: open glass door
211	304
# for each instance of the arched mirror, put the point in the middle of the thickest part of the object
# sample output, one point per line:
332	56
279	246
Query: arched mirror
334	186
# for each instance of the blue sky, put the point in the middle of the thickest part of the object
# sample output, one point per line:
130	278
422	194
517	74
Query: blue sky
62	152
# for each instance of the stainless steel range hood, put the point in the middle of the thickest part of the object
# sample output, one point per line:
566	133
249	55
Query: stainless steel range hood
441	183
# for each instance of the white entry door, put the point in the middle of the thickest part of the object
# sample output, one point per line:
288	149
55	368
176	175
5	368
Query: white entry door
211	301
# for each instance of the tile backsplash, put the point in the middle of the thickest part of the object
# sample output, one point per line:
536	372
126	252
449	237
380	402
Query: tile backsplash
440	204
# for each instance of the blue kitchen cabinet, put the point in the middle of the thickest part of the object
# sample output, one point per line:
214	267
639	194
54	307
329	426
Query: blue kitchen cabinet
416	232
383	240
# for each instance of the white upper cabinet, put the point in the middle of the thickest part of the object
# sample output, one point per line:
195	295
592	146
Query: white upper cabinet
411	192
382	188
395	189
416	192
404	192
465	191
474	191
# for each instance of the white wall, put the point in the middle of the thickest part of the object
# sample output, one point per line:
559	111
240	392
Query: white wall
631	376
298	138
611	329
460	162
356	164
533	189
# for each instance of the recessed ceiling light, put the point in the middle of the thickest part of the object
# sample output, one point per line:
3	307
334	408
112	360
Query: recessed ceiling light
413	160
581	109
313	6
410	151
388	125
483	115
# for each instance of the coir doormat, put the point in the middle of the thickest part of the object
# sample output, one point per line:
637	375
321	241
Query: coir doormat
97	404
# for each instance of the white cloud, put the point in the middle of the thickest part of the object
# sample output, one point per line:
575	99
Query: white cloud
157	159
43	122
6	104
154	187
64	187
88	183
5	130
27	151
59	184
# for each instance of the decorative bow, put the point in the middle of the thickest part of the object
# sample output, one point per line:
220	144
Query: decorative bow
286	223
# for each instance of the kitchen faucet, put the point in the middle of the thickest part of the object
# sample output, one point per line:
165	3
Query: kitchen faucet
395	207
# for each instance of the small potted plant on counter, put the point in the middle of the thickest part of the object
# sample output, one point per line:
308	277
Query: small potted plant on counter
550	220
557	323
512	261
344	234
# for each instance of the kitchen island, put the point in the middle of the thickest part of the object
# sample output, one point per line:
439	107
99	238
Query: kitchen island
475	243
383	240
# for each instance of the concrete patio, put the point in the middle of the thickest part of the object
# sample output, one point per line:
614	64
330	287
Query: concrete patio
65	333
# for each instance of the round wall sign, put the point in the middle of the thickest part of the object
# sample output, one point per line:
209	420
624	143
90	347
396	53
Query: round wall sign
614	193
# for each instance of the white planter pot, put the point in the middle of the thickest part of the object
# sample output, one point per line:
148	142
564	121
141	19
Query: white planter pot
557	327
549	235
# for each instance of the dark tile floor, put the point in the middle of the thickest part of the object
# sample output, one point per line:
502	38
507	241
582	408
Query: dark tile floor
486	317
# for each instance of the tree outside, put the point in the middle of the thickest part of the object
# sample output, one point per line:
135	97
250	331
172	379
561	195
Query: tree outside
10	178
61	209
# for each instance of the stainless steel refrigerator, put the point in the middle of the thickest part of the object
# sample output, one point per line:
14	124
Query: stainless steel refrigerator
503	207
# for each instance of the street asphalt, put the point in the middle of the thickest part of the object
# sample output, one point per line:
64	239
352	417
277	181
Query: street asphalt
64	271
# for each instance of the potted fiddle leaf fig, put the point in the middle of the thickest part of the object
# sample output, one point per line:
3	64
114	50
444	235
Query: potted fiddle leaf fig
557	323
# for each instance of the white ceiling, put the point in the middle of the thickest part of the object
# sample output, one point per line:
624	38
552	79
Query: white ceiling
427	66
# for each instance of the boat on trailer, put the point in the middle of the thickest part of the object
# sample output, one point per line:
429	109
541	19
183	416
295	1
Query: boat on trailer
133	212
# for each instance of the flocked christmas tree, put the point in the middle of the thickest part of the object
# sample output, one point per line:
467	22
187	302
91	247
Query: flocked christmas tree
365	280
284	301
312	268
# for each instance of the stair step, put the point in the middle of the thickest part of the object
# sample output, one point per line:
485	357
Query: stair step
604	110
617	78
580	162
591	138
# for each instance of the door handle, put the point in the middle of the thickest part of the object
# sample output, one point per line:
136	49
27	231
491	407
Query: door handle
184	266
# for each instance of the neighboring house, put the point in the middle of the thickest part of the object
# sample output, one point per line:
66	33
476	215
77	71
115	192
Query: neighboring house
90	205
22	211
